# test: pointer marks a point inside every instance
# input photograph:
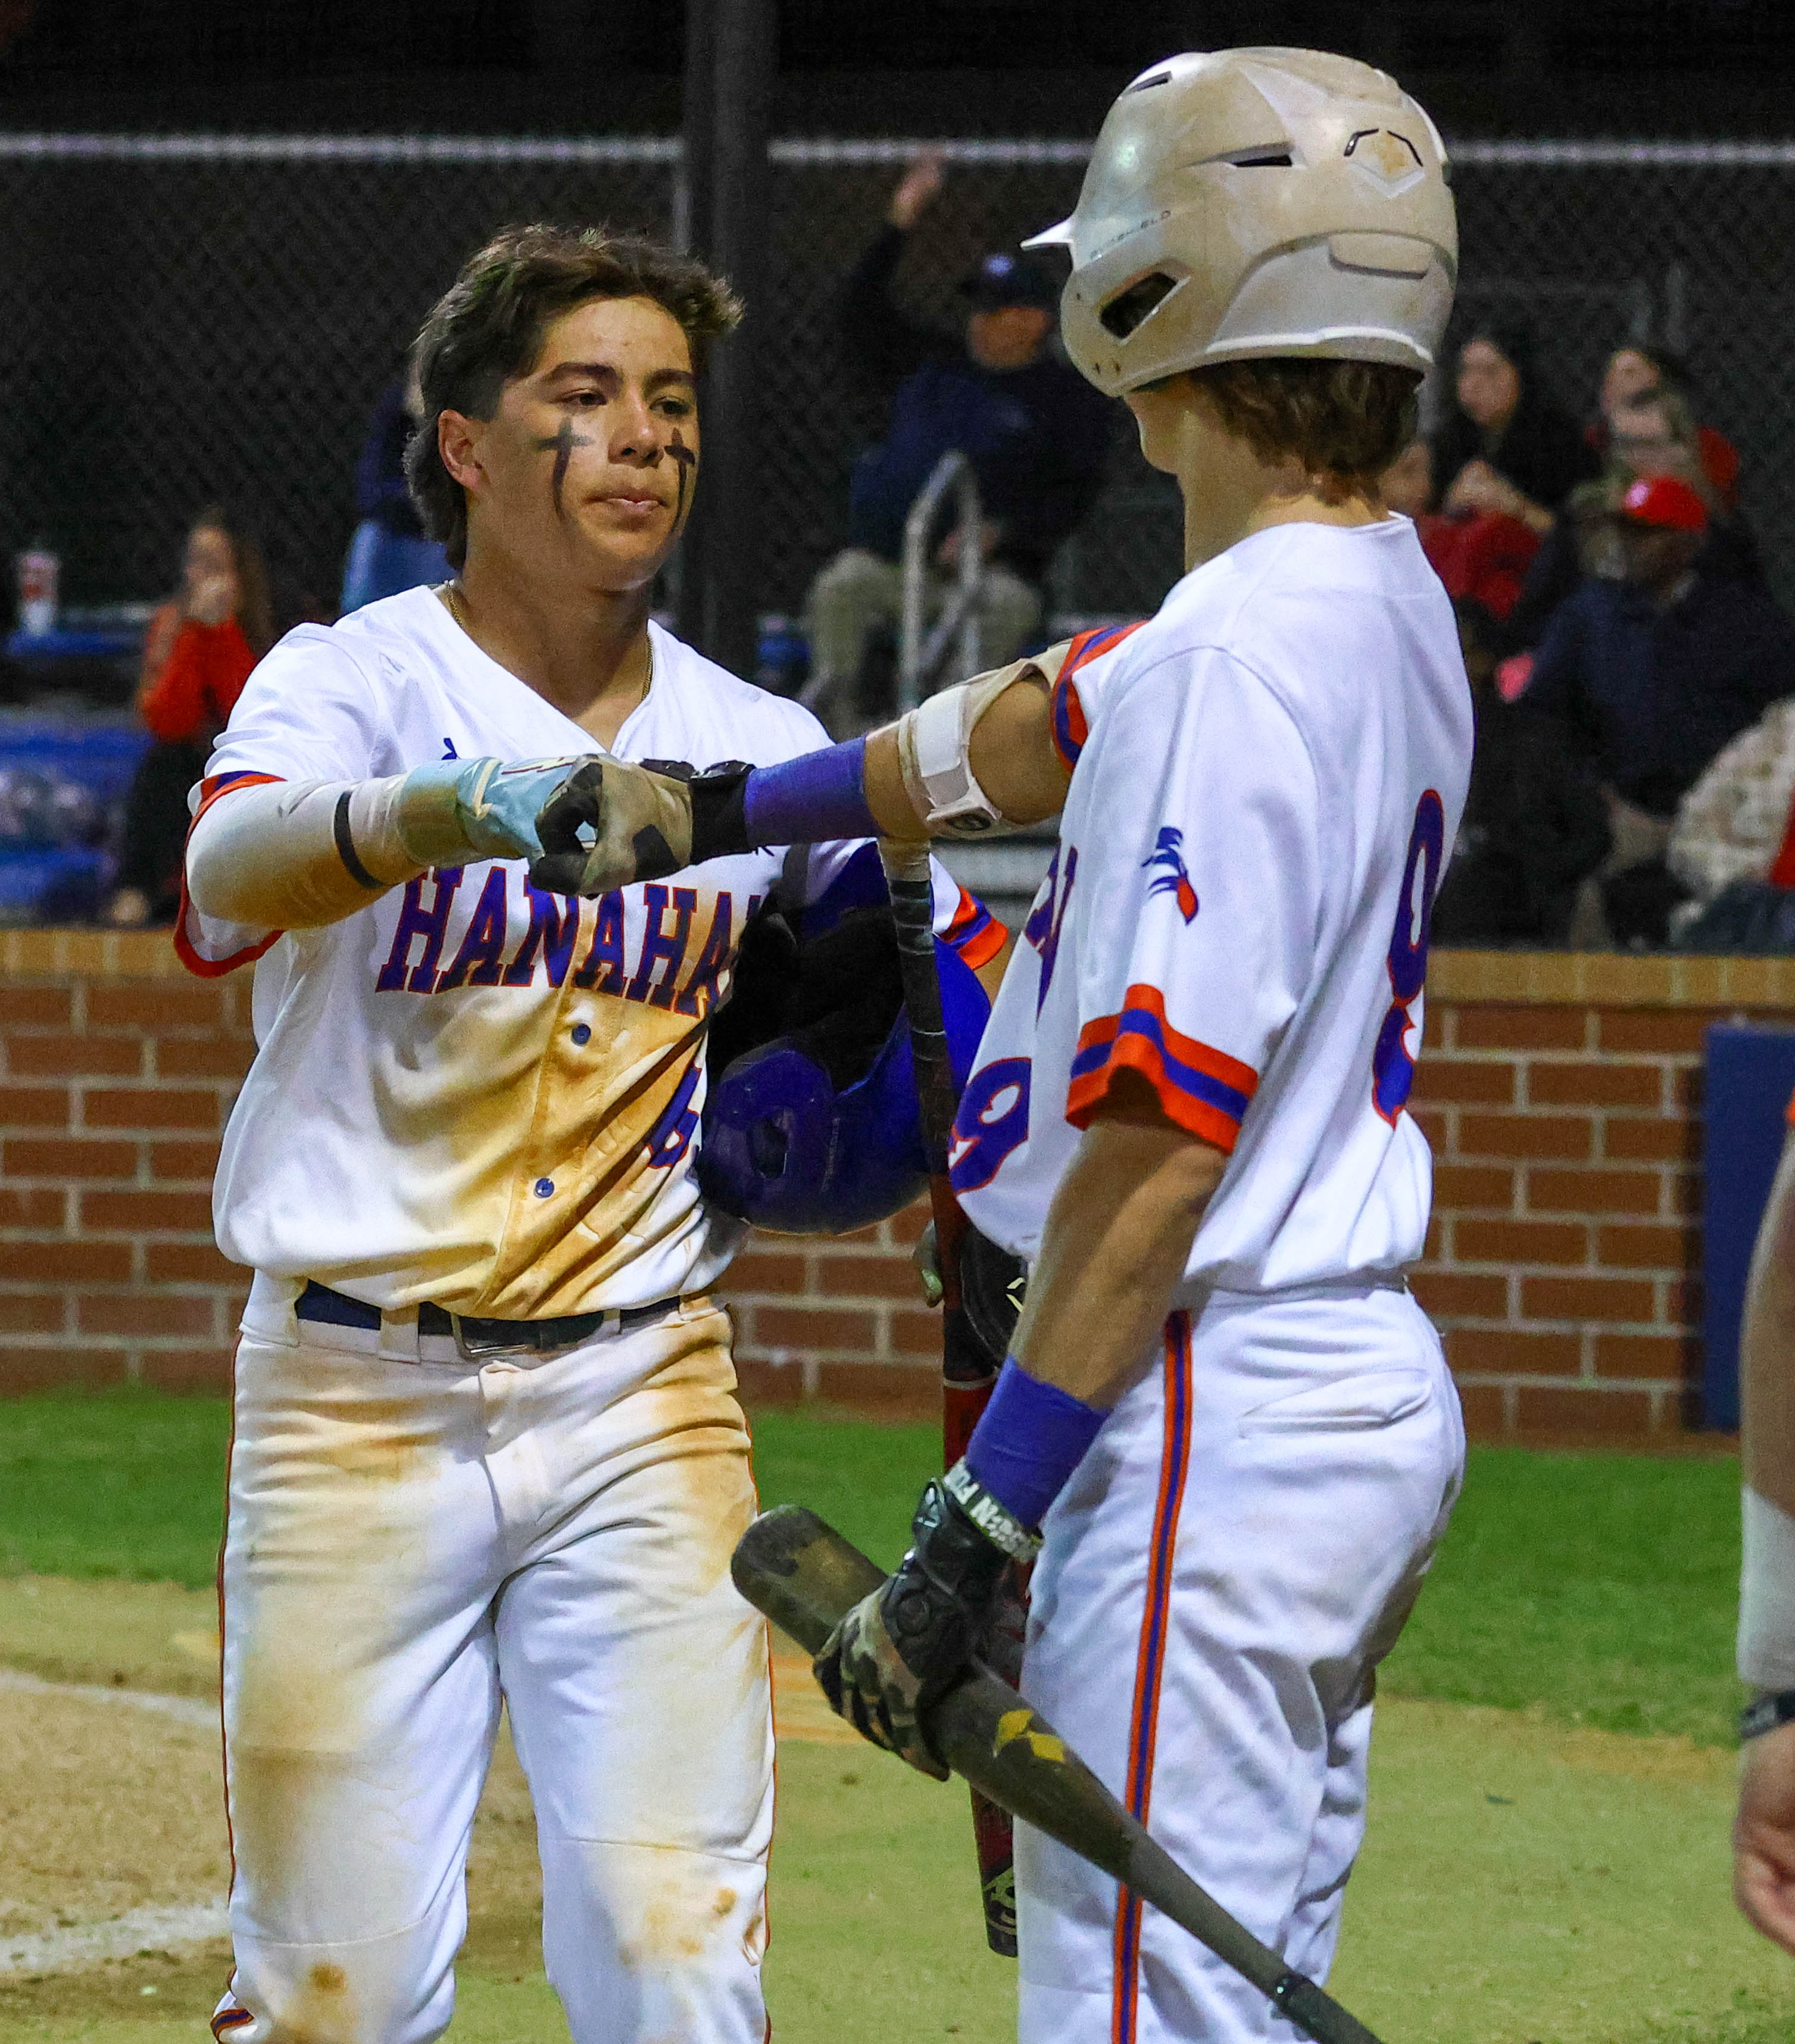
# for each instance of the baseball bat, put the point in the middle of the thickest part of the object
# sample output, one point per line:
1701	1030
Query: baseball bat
803	1573
967	1376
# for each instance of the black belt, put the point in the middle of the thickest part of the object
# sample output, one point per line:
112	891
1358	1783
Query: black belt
475	1338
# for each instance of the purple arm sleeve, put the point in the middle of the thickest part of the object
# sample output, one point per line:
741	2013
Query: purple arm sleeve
811	800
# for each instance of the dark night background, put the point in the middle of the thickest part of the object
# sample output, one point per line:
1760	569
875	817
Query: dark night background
1483	66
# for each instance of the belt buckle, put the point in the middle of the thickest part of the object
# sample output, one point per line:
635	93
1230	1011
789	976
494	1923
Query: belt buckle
480	1348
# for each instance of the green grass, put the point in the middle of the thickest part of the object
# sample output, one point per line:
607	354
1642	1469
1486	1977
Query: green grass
1599	1588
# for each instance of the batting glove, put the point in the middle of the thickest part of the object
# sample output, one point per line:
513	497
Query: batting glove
900	1648
455	811
615	822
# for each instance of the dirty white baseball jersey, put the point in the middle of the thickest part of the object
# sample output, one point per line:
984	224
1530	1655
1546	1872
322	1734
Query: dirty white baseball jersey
1265	779
472	1092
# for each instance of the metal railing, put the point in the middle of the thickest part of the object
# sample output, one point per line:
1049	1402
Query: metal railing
921	647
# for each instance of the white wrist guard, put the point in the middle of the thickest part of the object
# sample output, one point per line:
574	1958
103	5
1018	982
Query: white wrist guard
935	751
1766	1595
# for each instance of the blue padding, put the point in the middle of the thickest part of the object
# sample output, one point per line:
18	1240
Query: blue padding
1751	1076
782	1149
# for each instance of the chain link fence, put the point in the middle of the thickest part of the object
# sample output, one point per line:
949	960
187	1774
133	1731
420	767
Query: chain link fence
188	318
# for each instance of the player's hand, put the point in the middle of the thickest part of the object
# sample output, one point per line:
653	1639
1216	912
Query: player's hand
900	1648
614	822
453	811
927	1258
1763	1837
921	184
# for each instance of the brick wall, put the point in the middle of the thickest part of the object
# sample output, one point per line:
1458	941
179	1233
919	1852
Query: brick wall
117	1071
1561	1094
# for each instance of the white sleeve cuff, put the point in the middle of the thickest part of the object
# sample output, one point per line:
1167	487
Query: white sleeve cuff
1766	1595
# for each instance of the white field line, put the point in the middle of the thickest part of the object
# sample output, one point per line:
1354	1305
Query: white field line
184	1710
75	1948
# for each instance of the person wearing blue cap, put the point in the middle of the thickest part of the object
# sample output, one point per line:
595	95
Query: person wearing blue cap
1035	433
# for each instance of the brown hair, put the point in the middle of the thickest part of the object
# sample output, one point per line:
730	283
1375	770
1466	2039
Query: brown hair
488	327
255	600
1345	421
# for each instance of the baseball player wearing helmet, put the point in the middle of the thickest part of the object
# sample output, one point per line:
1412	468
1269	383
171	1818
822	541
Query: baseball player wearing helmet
1226	1429
485	1439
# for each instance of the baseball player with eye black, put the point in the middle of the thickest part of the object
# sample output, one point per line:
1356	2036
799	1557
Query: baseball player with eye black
1225	1432
498	1142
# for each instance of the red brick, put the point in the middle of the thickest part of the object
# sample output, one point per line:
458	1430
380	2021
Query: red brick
1674	1357
1477	1239
1591	1193
762	1271
879	1391
1482	1029
126	1315
1431	1122
905	1226
1688	1092
762	1385
1639	1248
1548	1412
150	1107
1588	1298
73	1057
188	1161
1462	1294
148	1212
205	1370
32	1206
1668	1032
35	1107
1591	1085
1684	1299
1686	1194
795	1326
1488	1082
151	1009
916	1331
191	1263
71	1157
1459	1186
74	1262
1513	1352
1484	1414
1562	1138
31	1313
200	1057
56	1369
868	1278
36	1007
1659	1139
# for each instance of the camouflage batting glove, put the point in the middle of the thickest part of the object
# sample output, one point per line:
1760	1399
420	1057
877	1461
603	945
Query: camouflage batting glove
899	1648
616	821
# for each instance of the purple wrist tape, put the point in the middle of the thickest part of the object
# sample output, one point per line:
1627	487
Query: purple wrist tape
810	799
1029	1440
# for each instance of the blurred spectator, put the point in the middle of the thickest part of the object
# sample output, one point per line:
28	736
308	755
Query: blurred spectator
1732	847
1636	372
1534	823
1506	447
1035	431
197	652
1645	680
388	551
1482	558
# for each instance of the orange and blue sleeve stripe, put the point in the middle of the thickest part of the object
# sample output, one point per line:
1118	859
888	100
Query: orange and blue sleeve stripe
1070	726
1202	1090
974	933
189	954
225	784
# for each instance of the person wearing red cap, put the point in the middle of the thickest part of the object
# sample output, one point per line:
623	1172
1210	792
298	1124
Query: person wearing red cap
1646	678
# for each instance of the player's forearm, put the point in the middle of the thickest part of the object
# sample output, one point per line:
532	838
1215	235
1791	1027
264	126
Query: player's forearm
273	854
1118	1239
1767	1346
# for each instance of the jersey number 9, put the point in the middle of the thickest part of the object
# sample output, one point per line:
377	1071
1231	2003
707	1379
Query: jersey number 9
1393	1066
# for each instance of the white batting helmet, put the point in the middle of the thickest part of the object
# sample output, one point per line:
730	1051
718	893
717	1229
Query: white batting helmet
1257	202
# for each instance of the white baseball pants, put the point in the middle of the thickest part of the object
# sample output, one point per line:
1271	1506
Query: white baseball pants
411	1535
1233	1557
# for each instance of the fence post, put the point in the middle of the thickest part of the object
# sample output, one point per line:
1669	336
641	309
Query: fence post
731	54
